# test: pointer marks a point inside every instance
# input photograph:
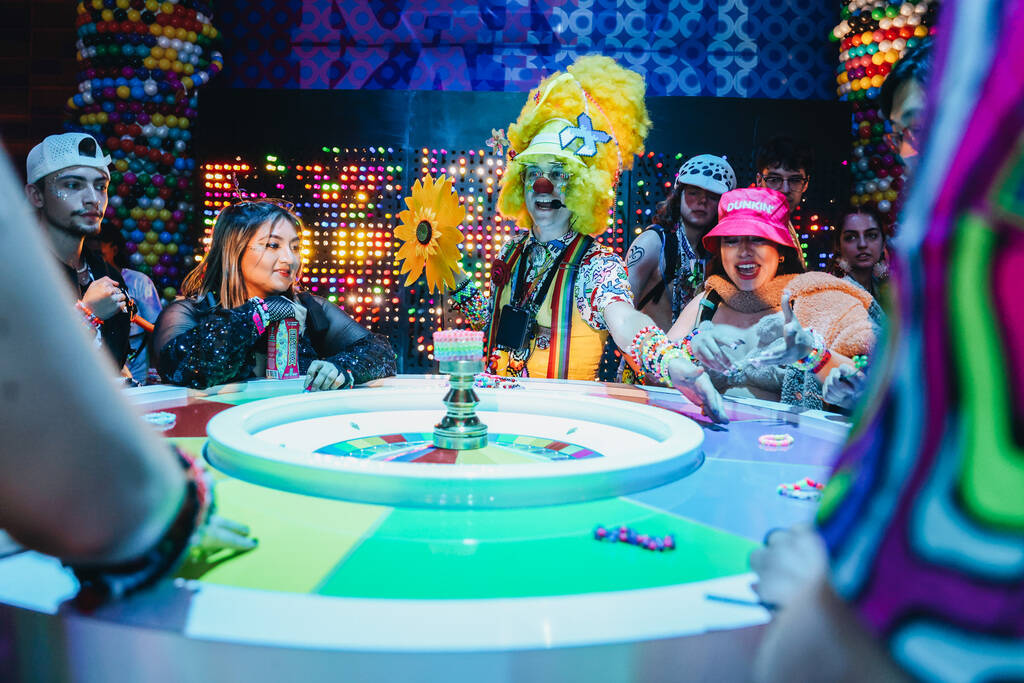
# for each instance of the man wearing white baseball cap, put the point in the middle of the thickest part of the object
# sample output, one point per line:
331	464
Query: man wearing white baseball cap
666	261
67	178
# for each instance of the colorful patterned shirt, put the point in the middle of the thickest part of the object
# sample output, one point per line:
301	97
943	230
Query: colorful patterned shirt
924	514
601	280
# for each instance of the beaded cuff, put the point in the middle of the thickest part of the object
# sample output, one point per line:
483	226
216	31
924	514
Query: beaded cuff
468	300
684	344
825	357
812	359
651	352
103	583
90	317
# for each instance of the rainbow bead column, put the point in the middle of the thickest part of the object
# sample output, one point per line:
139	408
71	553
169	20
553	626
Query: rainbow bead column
141	62
460	356
872	36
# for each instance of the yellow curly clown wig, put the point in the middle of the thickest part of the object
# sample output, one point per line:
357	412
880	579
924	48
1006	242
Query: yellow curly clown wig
595	94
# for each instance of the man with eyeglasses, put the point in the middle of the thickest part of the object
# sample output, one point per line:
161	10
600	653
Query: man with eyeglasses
666	261
67	178
784	165
902	101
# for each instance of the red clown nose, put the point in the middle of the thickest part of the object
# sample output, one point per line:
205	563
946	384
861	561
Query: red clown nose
543	186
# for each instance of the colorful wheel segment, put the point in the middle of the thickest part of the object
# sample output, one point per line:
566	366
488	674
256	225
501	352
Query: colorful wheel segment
502	449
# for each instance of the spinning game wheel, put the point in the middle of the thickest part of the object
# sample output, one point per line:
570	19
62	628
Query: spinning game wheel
482	562
542	449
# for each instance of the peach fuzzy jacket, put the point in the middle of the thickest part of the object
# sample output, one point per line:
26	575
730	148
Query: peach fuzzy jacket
836	309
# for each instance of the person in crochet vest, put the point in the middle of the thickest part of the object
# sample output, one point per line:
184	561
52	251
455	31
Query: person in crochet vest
763	327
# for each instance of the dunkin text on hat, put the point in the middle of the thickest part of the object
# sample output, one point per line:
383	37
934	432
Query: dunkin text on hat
763	207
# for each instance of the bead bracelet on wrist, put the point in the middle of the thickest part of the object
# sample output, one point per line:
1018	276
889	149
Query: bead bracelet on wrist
102	583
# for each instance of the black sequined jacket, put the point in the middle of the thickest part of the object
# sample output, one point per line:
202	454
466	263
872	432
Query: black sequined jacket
199	344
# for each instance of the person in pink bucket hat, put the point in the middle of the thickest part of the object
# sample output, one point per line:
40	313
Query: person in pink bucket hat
763	327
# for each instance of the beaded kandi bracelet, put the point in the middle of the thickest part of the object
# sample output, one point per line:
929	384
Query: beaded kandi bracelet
822	362
88	314
684	344
812	359
102	583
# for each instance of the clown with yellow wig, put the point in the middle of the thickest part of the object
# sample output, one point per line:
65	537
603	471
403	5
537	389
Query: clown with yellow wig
556	293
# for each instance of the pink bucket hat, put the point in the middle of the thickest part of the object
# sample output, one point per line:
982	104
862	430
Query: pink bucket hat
751	212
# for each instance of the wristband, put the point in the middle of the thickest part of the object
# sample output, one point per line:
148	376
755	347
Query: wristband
259	314
102	583
814	357
825	357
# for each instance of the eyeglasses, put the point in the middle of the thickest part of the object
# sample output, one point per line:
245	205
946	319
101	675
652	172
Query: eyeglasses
775	182
896	139
556	175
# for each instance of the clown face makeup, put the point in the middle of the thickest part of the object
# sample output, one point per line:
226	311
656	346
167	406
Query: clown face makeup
545	181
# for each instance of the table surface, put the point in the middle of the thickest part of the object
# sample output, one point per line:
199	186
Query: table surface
335	574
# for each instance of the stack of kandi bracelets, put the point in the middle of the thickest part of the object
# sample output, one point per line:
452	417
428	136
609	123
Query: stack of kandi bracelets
817	358
652	352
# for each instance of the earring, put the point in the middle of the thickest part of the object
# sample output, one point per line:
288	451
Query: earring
881	271
844	264
781	259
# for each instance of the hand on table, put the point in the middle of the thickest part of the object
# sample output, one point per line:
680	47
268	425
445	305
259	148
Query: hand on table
220	540
105	298
325	376
221	533
790	560
695	385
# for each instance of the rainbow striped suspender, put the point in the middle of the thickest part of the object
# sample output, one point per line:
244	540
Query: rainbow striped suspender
562	307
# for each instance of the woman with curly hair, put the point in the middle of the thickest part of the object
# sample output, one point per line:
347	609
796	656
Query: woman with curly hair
556	293
666	261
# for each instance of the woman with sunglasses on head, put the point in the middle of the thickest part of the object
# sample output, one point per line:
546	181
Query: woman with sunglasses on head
247	281
763	327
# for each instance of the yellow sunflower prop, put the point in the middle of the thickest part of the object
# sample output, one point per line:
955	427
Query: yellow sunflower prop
429	231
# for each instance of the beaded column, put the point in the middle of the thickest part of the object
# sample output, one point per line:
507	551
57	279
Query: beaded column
141	62
460	356
872	36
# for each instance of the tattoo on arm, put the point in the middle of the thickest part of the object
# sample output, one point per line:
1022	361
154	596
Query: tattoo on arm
635	255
